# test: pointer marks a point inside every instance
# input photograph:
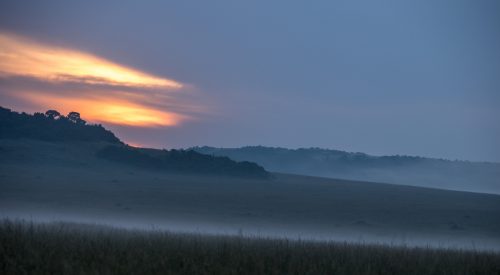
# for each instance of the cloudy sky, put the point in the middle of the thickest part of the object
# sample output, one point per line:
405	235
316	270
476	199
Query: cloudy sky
381	77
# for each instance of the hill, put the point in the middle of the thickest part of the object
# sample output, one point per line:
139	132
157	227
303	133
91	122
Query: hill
71	129
66	181
408	170
181	161
51	126
101	181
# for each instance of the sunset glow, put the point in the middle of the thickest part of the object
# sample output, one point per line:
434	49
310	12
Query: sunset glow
23	57
97	85
107	110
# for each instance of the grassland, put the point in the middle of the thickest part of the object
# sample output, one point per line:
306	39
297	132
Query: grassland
70	248
304	225
45	181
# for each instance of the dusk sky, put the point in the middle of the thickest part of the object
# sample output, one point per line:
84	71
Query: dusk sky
380	77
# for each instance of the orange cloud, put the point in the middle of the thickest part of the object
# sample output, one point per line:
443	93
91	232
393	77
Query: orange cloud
107	110
102	91
23	57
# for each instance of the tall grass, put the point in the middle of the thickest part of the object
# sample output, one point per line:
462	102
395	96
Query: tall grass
68	248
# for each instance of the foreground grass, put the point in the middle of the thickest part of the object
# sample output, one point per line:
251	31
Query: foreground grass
67	248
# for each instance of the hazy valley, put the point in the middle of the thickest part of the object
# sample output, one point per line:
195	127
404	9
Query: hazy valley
63	170
469	176
66	181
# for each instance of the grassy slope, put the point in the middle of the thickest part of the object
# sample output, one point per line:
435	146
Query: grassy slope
50	181
416	171
62	248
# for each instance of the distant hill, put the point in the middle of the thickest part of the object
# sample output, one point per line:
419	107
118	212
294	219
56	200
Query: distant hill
408	170
59	181
181	161
51	126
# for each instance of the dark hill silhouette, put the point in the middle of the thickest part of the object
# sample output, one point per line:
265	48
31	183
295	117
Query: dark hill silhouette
51	126
181	161
408	170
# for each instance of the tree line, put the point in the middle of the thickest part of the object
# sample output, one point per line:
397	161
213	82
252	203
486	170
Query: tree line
51	126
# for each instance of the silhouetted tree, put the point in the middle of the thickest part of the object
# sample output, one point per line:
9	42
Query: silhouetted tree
37	115
52	114
75	118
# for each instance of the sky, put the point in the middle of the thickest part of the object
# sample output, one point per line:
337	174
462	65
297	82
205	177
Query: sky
380	77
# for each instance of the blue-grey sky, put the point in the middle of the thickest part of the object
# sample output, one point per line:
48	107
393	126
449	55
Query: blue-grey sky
381	77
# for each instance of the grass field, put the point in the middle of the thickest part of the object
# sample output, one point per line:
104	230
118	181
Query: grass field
44	181
70	248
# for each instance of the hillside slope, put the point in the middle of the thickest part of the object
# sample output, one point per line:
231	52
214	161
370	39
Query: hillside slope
56	128
416	171
65	181
51	126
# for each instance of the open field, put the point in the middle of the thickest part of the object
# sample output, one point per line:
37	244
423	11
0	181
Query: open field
62	181
67	248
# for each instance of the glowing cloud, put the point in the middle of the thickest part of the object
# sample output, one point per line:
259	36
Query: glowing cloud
101	90
23	57
108	110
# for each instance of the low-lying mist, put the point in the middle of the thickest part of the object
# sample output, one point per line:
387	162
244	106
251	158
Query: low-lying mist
45	181
417	171
259	231
73	248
